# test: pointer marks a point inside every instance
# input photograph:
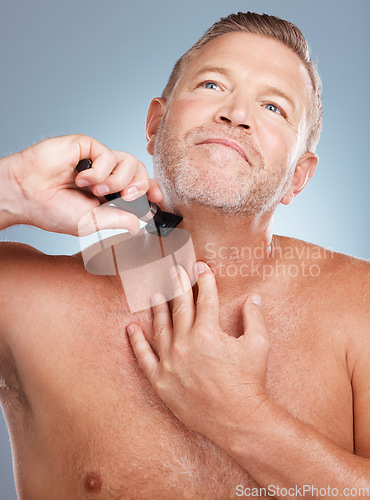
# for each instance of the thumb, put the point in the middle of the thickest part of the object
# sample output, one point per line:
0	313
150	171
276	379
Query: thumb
106	217
256	337
154	194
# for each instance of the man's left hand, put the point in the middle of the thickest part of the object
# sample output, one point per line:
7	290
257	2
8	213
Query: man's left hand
211	381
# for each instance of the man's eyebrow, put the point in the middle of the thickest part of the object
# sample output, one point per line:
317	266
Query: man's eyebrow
276	91
212	69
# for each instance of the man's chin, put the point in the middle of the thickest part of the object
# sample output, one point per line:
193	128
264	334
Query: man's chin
217	156
203	186
219	200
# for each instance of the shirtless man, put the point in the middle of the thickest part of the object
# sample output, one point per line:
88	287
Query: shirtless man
284	404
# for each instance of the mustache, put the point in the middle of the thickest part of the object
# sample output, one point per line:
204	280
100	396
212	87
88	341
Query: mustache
203	133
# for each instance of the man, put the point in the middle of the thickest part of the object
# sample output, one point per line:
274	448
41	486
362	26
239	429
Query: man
283	403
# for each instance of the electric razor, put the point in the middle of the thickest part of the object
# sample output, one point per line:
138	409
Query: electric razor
157	222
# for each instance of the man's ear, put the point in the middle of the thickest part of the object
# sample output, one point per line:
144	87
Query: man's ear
304	170
156	110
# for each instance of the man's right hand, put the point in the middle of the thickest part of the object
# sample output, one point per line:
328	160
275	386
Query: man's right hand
39	186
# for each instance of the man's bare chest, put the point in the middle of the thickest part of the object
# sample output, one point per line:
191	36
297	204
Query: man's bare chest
101	415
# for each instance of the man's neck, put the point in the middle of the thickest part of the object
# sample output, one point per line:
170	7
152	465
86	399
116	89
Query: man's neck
236	247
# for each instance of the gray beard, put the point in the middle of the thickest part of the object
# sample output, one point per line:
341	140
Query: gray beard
245	191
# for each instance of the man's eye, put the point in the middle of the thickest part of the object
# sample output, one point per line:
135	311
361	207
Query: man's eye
211	85
273	108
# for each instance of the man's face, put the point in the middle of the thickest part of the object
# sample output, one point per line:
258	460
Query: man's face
235	126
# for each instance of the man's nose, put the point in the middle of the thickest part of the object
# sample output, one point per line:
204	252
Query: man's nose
236	112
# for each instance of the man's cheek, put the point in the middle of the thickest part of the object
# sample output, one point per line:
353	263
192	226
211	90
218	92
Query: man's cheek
185	111
278	149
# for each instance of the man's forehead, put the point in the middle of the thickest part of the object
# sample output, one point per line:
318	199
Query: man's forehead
253	55
248	48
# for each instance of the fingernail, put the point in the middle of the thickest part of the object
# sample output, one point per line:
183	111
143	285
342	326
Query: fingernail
257	299
83	183
200	268
174	271
131	190
130	329
102	189
156	299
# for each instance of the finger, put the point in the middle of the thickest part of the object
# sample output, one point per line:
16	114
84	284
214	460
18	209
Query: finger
106	217
102	158
129	177
253	320
207	302
138	184
104	161
162	324
145	356
183	310
256	337
154	194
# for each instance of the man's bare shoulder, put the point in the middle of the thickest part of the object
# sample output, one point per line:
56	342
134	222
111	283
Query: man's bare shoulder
31	277
44	294
345	269
335	285
18	261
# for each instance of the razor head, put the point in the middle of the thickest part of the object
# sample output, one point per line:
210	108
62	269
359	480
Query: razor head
163	223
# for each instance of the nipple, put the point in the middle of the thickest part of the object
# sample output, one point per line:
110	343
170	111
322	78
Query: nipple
92	482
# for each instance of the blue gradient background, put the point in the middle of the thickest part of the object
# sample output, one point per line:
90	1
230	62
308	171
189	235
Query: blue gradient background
88	66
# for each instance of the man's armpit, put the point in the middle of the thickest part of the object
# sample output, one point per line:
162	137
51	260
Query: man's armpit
11	393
